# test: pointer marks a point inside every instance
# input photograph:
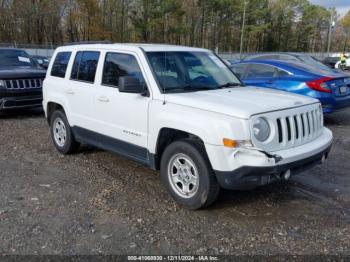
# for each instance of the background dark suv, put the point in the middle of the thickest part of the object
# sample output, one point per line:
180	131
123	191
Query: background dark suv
20	80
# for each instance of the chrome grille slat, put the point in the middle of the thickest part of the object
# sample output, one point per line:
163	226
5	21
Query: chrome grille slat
33	83
306	126
308	116
315	122
319	123
299	128
292	129
311	119
284	131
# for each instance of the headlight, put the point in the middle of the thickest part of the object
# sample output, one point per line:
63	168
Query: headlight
2	83
261	129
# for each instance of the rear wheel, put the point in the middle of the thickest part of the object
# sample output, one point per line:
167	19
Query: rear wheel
61	133
187	174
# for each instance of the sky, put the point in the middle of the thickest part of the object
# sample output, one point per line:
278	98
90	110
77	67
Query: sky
342	6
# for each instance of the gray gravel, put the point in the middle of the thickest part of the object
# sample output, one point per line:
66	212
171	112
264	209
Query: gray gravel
95	202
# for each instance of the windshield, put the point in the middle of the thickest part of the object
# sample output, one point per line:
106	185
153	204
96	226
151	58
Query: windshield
16	58
191	71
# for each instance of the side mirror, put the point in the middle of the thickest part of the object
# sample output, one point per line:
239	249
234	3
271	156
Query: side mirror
130	84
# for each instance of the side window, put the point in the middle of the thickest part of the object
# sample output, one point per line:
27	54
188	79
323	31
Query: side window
260	71
60	64
117	65
282	73
239	70
85	65
75	69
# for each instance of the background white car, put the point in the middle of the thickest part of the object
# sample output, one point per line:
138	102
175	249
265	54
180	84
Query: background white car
347	64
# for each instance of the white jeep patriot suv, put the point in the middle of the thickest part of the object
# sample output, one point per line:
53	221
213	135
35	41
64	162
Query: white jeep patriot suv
182	111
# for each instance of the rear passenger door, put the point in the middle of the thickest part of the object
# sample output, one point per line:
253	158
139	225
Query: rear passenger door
81	88
121	117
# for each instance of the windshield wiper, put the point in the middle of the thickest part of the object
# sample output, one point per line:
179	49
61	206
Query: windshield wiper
229	84
197	88
188	88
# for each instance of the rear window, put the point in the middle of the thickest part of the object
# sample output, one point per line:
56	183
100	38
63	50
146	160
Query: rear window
60	64
85	65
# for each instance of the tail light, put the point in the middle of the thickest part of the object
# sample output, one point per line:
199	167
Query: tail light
320	84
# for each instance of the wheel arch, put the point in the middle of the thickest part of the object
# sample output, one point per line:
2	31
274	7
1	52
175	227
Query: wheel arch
166	136
52	107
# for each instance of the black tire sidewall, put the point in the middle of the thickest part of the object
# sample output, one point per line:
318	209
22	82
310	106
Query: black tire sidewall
192	150
69	139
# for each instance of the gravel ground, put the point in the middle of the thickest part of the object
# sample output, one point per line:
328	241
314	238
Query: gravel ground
95	202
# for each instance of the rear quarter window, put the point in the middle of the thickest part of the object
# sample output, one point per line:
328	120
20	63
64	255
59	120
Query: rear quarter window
60	64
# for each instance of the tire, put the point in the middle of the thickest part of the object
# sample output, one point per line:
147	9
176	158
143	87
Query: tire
187	174
61	133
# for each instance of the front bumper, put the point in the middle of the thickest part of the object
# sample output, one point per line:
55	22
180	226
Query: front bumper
245	168
249	177
20	102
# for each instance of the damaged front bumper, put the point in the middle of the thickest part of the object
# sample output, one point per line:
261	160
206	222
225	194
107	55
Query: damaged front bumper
249	177
247	168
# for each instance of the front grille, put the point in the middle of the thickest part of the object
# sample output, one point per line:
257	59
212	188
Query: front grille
17	84
299	128
291	128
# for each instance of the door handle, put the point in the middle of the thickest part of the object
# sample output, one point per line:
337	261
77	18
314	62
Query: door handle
70	92
103	99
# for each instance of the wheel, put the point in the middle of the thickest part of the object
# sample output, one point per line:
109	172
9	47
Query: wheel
187	174
61	133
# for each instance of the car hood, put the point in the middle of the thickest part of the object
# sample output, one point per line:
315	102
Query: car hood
21	72
242	102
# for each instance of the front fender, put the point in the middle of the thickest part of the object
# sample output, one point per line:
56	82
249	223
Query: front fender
210	127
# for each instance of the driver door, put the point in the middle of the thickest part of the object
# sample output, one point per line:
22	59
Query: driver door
122	118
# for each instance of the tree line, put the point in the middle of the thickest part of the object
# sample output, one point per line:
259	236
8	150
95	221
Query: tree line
270	25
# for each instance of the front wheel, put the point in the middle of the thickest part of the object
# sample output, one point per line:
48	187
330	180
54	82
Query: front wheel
187	174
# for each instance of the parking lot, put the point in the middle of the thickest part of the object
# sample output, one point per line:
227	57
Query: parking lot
95	202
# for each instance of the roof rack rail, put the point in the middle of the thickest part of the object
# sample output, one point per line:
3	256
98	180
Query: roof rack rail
89	42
